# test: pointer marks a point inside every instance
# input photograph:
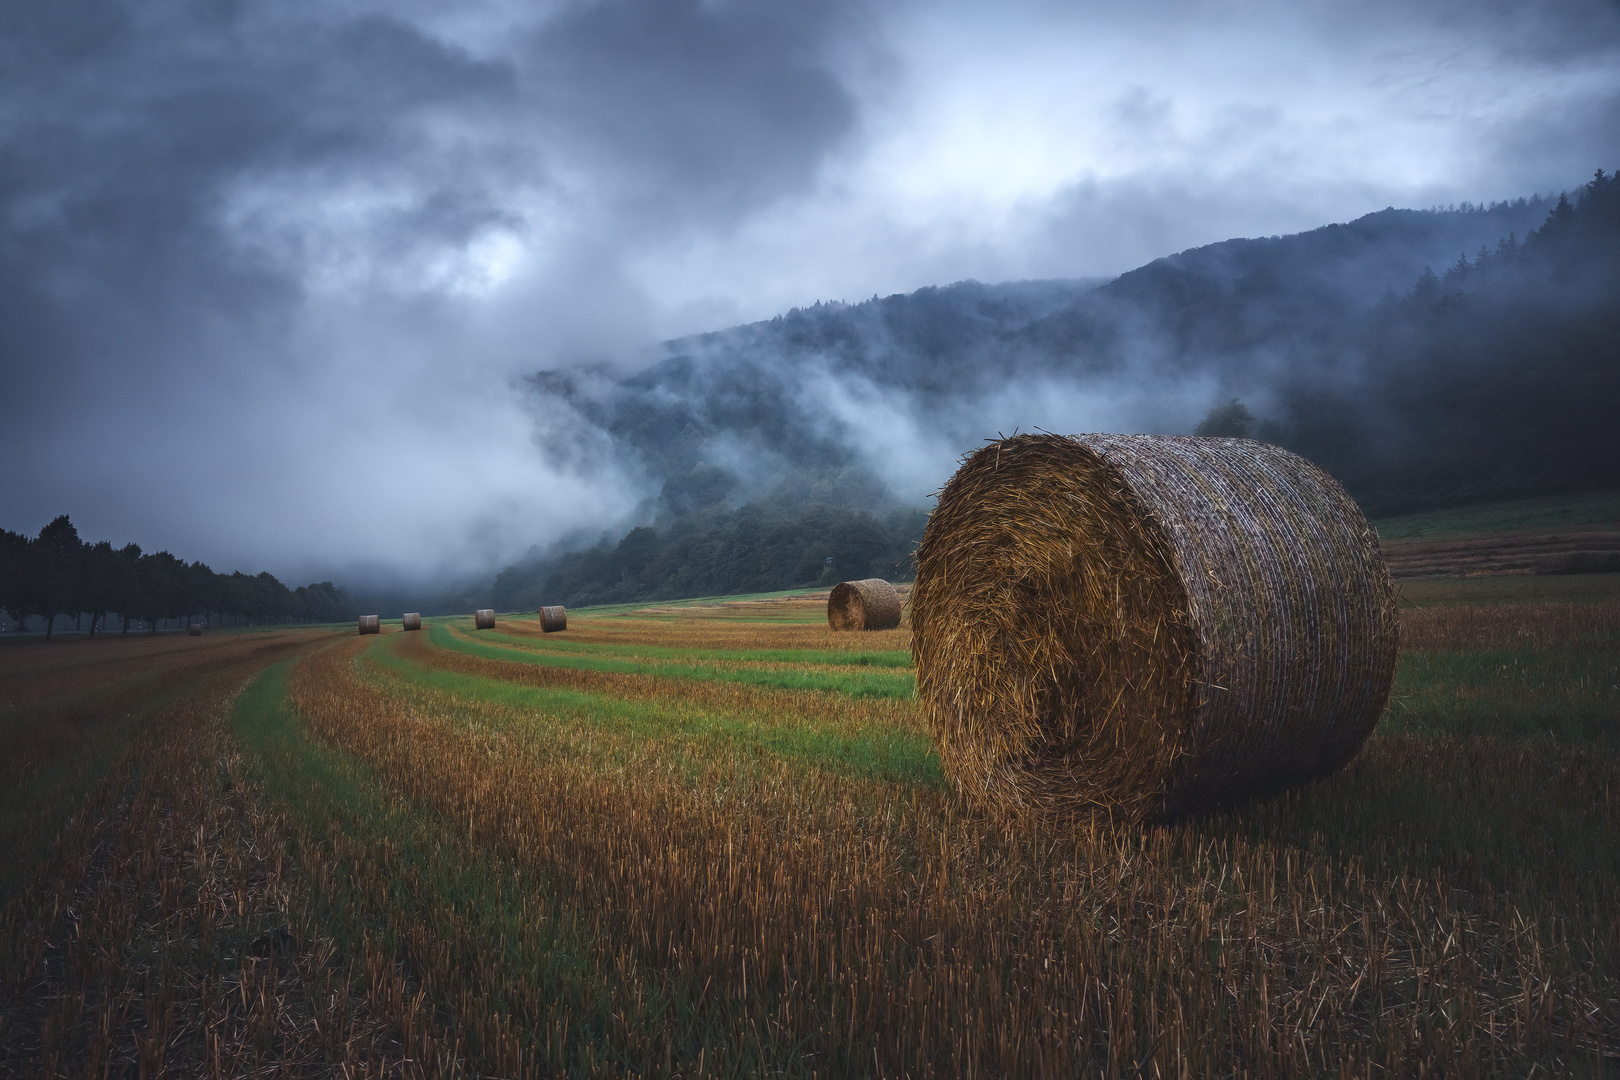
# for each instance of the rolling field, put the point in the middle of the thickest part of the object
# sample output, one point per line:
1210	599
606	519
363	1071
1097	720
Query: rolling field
713	839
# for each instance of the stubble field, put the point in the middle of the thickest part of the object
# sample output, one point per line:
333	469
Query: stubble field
713	839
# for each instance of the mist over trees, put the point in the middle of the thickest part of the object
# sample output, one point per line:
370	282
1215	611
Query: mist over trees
57	574
1500	377
1495	377
803	534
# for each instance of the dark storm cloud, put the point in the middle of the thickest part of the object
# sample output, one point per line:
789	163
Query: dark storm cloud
709	107
268	272
226	223
124	142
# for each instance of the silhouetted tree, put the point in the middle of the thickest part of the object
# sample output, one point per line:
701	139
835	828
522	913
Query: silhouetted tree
102	570
59	570
16	569
126	602
1232	420
202	590
162	587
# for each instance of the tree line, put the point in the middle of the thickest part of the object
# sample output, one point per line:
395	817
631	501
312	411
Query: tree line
1496	379
762	546
58	574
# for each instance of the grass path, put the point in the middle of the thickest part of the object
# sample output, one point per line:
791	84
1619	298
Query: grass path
819	657
853	681
824	738
400	882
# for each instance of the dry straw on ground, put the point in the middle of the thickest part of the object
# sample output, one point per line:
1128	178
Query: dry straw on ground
869	604
412	620
553	619
484	619
1147	624
370	624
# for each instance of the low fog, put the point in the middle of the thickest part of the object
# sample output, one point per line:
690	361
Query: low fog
276	281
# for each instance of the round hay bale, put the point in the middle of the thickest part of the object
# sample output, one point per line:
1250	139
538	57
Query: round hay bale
869	604
412	620
484	619
553	619
195	629
370	624
1147	624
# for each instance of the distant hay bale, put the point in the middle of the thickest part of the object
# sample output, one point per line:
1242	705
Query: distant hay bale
869	604
412	620
484	619
1147	624
370	624
553	619
195	629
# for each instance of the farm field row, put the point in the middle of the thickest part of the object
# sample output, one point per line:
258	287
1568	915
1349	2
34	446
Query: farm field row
714	839
1552	535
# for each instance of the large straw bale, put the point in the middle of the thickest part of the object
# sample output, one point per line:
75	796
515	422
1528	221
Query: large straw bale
868	604
195	629
1147	624
553	618
412	620
484	619
370	624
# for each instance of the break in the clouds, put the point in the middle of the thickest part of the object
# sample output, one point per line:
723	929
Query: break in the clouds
268	272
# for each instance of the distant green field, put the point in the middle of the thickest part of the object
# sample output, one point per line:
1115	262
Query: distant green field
899	658
1560	511
698	664
1510	589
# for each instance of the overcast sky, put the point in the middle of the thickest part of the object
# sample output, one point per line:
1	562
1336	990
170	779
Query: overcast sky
268	271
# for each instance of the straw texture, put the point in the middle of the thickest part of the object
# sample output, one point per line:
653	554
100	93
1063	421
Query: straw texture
1146	624
412	620
370	624
484	619
553	619
869	604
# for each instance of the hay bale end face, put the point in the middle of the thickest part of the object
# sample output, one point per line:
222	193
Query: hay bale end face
195	629
1147	624
484	619
412	620
869	604
370	624
553	619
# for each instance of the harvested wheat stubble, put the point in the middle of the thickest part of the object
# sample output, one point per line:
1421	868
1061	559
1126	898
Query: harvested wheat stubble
484	619
195	629
869	604
1147	624
553	619
412	620
370	624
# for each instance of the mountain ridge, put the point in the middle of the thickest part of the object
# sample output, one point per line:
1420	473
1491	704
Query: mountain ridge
1343	340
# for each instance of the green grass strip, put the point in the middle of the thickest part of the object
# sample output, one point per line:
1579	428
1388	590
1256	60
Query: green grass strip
499	927
896	658
435	875
495	931
1548	512
1508	694
853	684
872	752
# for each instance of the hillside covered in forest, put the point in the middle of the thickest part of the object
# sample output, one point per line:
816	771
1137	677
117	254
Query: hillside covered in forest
1426	358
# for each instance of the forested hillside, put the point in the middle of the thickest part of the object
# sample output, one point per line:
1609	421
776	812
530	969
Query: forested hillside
1495	377
1499	378
765	545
